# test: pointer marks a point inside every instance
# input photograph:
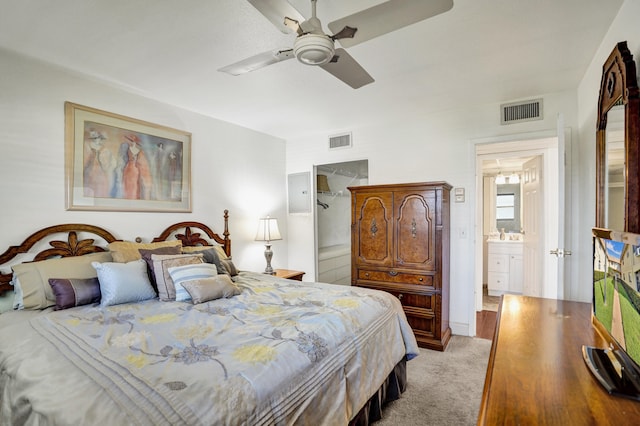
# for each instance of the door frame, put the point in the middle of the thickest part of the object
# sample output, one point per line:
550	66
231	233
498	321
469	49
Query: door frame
543	143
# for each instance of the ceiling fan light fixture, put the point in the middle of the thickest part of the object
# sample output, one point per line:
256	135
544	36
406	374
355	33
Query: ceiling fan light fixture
314	49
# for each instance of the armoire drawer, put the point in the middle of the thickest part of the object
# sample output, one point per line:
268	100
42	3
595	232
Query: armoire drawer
421	301
422	326
395	277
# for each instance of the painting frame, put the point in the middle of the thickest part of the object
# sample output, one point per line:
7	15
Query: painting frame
119	163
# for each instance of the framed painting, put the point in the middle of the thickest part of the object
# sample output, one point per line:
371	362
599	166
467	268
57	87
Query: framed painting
117	163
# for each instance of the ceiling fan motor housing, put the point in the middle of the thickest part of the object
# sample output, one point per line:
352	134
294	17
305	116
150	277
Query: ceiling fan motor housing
314	49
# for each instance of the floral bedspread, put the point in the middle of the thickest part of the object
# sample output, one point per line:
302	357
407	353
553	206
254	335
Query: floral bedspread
281	352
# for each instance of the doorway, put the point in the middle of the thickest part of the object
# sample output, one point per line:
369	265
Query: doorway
333	218
546	149
506	203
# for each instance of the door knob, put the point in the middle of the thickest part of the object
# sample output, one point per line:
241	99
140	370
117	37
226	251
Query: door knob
560	252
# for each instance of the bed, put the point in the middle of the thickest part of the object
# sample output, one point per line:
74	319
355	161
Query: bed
227	347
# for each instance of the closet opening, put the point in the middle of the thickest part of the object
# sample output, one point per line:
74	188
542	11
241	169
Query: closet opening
333	218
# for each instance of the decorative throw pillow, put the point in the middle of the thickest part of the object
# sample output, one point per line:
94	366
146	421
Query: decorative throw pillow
123	282
126	251
146	256
181	275
161	265
34	276
229	267
221	253
207	289
71	292
210	255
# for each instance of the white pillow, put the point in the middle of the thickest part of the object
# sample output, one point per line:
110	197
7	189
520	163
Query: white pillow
123	282
189	273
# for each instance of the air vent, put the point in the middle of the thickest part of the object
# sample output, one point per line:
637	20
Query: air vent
517	112
340	141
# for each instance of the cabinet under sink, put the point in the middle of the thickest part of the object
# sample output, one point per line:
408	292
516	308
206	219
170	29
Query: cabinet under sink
504	267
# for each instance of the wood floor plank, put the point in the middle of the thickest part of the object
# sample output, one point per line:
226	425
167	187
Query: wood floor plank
485	324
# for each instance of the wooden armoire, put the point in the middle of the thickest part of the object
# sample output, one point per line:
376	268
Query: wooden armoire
400	244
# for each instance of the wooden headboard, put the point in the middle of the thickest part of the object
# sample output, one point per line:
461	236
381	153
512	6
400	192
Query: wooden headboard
73	246
190	238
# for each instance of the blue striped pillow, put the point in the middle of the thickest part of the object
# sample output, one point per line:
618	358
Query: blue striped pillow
189	273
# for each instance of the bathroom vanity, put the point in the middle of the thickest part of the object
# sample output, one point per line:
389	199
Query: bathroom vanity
504	266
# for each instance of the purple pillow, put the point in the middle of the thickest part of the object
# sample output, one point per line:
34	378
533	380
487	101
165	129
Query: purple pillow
71	292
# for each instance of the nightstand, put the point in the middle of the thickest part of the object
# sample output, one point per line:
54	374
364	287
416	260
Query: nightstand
289	274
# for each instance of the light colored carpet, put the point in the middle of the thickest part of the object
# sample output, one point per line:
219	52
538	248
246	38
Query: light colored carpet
444	388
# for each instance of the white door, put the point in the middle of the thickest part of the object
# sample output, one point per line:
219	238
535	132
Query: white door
532	220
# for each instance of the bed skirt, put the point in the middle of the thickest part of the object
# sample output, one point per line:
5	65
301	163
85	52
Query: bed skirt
391	389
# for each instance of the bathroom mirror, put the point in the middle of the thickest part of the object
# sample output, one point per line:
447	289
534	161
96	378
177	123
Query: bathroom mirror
508	208
618	144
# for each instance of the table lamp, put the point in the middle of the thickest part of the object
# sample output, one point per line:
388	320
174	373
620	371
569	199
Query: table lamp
268	231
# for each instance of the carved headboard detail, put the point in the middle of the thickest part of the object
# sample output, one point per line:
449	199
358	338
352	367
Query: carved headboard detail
71	247
190	238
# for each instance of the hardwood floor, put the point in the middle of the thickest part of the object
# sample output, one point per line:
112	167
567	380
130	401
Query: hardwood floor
485	324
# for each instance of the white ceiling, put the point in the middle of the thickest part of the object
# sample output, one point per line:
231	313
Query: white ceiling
503	165
169	50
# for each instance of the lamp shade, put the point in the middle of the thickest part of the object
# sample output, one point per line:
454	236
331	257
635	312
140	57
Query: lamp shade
268	229
323	184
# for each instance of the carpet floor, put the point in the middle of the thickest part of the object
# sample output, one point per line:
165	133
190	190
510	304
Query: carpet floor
444	388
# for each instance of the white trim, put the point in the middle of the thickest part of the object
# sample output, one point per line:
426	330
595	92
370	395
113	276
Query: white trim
535	143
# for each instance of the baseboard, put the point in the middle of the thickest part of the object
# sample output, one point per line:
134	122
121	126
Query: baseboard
461	329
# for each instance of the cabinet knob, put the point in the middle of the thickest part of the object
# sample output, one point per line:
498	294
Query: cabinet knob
366	274
400	296
420	279
393	273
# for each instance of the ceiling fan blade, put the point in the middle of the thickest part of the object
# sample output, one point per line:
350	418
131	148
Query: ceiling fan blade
276	11
293	25
347	69
346	32
387	17
258	61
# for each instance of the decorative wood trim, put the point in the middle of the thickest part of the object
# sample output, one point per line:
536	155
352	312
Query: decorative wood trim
190	238
71	247
619	83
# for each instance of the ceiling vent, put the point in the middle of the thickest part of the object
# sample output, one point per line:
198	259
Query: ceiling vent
517	112
340	141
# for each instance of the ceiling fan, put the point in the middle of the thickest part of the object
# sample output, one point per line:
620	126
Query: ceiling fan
313	46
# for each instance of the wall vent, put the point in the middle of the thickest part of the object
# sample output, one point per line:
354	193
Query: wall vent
340	141
517	112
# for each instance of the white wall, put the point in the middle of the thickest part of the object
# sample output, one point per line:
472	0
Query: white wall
624	28
427	146
232	167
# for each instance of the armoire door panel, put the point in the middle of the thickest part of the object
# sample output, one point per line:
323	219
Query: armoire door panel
374	229
415	242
